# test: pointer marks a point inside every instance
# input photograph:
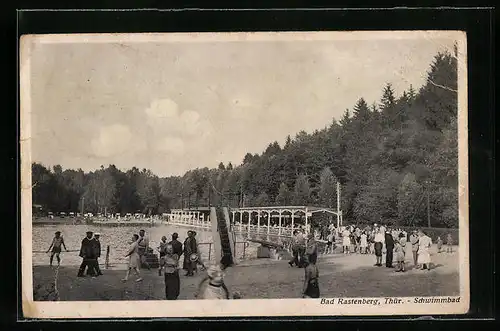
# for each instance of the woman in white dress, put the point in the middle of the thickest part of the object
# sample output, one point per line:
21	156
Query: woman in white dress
363	242
346	240
134	259
424	255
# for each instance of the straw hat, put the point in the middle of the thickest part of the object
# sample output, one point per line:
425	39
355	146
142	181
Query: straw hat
215	274
193	257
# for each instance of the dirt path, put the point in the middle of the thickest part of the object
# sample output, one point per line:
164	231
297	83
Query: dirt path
341	275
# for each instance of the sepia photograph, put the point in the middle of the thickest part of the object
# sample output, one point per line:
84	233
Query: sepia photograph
244	174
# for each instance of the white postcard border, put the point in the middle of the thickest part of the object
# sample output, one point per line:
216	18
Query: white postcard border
242	307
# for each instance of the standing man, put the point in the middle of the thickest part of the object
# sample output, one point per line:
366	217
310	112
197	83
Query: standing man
414	247
97	251
143	244
389	246
189	248
176	244
87	255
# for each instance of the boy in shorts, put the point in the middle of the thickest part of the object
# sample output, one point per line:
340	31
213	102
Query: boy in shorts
56	244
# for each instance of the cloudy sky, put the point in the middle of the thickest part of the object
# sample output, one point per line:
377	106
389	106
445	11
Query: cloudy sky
171	106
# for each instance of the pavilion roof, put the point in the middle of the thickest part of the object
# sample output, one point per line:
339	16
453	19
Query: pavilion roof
311	209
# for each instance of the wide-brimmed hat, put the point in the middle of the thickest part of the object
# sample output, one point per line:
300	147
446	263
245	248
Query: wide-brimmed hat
97	234
89	232
193	257
215	272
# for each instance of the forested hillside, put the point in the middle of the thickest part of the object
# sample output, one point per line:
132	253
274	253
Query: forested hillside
389	156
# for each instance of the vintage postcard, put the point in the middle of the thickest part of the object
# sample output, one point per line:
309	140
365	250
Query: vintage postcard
244	174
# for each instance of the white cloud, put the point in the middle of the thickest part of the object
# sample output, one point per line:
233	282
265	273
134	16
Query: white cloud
162	108
165	118
171	144
115	139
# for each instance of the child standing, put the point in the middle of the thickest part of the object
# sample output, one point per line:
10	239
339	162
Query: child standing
400	250
439	244
329	244
162	249
56	244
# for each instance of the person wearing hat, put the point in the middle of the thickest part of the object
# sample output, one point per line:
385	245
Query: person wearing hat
212	287
190	248
87	254
176	244
56	244
172	280
96	245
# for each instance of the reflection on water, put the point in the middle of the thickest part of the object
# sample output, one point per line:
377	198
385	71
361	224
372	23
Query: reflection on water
117	238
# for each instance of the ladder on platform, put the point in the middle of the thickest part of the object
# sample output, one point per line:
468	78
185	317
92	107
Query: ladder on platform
223	236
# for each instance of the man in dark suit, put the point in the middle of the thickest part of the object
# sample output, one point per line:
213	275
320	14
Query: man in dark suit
389	246
97	252
176	244
87	253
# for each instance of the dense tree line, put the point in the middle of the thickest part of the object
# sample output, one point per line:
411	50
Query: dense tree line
389	157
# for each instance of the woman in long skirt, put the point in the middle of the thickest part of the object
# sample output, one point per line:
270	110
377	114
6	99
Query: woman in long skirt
424	255
171	270
346	241
134	259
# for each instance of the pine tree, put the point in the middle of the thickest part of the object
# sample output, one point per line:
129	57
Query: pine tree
229	166
388	99
221	166
346	118
411	94
440	101
288	142
361	110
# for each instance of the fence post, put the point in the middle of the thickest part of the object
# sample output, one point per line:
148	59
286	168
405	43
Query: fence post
209	250
106	263
244	249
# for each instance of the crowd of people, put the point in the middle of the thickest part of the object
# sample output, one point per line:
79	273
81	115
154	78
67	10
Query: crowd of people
377	240
170	252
